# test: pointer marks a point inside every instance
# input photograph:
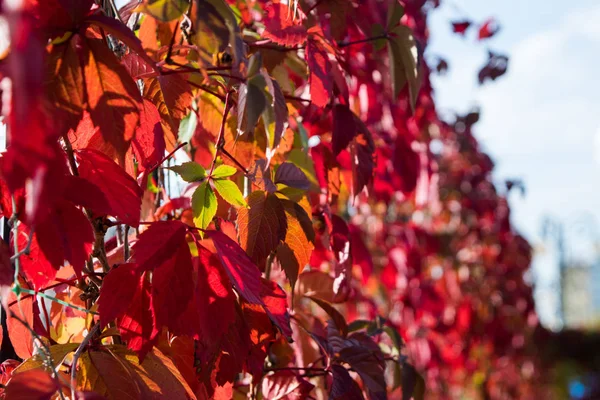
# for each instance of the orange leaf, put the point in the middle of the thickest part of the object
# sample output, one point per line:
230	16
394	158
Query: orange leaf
113	97
31	385
261	226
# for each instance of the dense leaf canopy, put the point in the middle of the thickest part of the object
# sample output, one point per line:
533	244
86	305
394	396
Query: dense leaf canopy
230	198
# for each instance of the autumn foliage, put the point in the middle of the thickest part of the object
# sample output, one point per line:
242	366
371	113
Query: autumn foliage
249	199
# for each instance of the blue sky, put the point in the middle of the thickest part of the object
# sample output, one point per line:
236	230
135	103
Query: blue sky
541	121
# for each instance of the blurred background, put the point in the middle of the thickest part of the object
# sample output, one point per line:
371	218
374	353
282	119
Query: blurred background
540	124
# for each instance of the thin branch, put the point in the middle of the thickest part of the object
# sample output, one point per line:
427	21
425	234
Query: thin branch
207	90
369	39
235	161
126	243
54	285
78	353
227	76
165	158
54	299
267	44
25	250
70	155
221	138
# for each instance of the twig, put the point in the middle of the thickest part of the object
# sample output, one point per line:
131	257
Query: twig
220	138
126	243
165	158
207	90
369	39
77	354
235	161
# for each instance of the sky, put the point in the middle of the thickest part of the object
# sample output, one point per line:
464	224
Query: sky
541	121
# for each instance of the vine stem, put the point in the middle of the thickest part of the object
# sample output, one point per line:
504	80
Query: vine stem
77	355
369	39
165	158
220	138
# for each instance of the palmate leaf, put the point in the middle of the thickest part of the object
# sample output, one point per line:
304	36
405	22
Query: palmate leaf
189	171
148	145
230	192
261	226
319	68
122	192
64	82
223	171
284	385
404	62
281	26
204	205
112	95
172	95
344	128
115	372
251	104
33	384
165	10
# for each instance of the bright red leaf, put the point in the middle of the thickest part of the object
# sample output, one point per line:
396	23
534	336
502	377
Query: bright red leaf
282	27
122	192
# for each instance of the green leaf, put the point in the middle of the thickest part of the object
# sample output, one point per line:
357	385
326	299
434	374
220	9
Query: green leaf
230	192
166	10
189	171
358	324
187	127
223	171
217	28
204	205
403	54
395	13
378	30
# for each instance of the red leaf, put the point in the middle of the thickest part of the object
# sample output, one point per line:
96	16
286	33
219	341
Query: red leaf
276	306
113	97
214	297
244	275
319	67
148	145
84	193
488	29
360	253
57	16
461	27
66	235
343	386
35	384
281	27
35	265
406	164
172	95
159	243
121	32
285	385
344	128
173	289
137	326
117	292
121	190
